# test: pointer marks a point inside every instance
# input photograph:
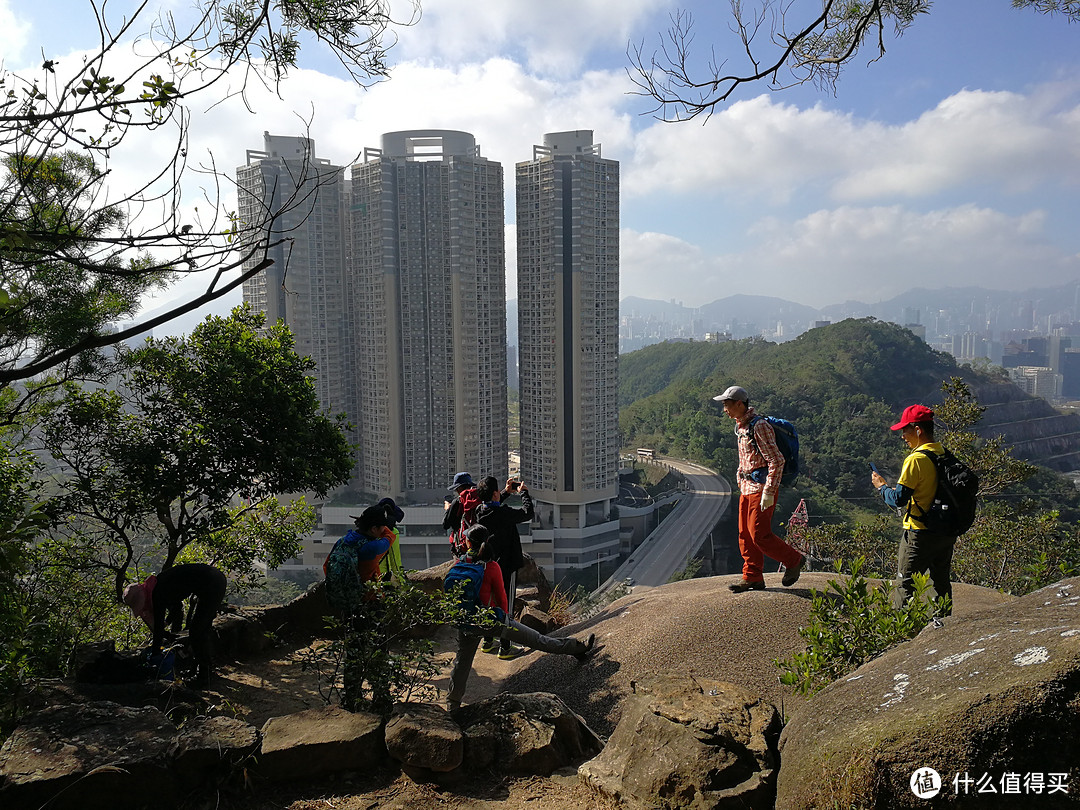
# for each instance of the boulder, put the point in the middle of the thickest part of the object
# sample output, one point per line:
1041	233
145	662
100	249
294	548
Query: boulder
92	755
100	663
525	734
537	620
240	634
319	741
992	697
211	749
422	735
690	743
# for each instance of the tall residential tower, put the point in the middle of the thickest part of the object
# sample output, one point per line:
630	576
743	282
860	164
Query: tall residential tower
293	200
568	339
426	260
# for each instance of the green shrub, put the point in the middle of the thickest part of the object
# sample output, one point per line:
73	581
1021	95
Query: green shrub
853	622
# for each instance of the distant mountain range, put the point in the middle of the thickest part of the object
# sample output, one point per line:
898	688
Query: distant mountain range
979	305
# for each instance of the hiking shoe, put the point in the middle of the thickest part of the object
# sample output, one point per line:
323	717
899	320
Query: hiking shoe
744	585
490	646
791	575
511	653
590	648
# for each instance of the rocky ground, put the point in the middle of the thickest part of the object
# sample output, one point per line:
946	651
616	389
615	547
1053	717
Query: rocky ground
277	683
695	627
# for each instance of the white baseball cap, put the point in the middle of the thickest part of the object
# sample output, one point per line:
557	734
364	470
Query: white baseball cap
734	392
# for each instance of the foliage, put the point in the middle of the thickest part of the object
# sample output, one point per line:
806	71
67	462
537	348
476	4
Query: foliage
62	230
783	43
385	654
52	291
569	605
692	569
55	607
1017	550
199	436
989	458
264	590
853	622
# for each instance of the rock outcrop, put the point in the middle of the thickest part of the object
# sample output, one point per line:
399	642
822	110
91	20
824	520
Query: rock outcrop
425	737
992	697
524	734
687	743
90	755
103	755
319	741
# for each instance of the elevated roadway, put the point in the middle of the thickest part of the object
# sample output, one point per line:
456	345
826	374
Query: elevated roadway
679	536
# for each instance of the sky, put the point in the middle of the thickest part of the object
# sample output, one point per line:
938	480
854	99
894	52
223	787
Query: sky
952	161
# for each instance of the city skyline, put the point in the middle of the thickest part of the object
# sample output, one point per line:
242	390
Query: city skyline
942	162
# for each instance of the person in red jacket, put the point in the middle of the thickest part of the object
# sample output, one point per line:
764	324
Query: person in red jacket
491	594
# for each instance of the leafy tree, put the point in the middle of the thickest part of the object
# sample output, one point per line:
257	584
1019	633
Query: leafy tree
988	457
200	435
781	42
69	244
52	292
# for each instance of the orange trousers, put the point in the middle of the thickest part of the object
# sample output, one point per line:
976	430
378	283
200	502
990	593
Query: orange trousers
756	539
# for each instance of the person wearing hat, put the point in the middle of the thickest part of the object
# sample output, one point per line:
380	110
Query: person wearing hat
159	601
452	508
356	559
760	466
921	550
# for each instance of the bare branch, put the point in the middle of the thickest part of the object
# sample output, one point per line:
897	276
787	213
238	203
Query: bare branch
811	50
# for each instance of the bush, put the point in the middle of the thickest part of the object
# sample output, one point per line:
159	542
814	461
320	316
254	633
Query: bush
852	623
385	654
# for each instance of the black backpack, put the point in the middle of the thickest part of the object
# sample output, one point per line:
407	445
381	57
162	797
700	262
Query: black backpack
953	509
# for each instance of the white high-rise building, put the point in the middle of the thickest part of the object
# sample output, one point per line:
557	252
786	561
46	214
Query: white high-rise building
394	282
568	349
426	257
294	199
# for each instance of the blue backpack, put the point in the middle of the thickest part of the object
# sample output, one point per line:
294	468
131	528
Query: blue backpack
466	576
787	442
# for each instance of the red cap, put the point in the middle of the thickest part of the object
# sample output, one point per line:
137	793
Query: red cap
913	414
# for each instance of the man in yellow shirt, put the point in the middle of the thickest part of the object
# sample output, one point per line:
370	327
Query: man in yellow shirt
921	549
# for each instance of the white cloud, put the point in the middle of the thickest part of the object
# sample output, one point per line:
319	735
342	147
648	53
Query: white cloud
555	37
770	151
867	254
1009	140
13	34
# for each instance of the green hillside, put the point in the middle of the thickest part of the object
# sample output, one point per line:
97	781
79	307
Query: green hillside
843	385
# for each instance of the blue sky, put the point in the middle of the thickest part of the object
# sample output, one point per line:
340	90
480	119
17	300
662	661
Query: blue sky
953	160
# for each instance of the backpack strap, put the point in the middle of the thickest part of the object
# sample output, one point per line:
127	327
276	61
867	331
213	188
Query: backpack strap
936	459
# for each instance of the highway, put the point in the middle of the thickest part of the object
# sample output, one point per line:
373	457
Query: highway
682	532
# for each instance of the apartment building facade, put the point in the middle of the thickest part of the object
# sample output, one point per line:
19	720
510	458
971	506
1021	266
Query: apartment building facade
568	343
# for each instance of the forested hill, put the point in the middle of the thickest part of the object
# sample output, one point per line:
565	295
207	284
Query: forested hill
865	356
843	385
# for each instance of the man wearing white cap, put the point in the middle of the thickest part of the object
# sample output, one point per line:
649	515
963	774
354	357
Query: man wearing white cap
760	466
